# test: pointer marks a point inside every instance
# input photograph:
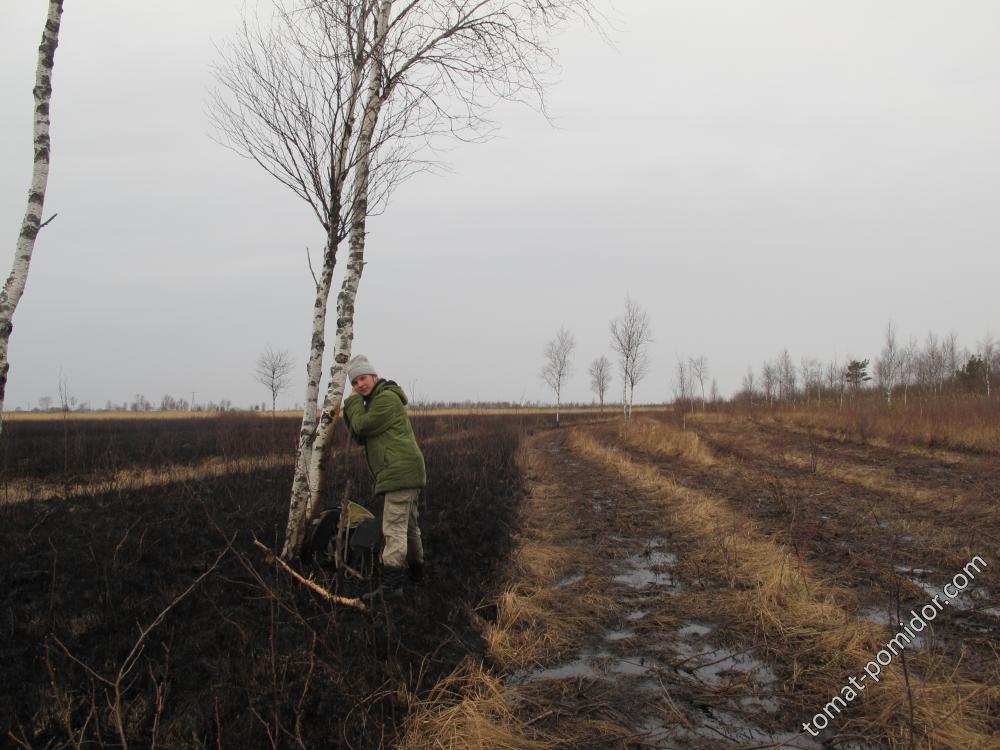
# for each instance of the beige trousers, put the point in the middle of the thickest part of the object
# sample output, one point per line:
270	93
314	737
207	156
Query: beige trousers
399	527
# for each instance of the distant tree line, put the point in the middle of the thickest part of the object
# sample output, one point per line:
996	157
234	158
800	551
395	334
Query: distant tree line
933	369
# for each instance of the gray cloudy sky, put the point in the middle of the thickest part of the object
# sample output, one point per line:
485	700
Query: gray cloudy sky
758	175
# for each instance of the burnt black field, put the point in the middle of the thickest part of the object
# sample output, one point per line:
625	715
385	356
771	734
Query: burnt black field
246	657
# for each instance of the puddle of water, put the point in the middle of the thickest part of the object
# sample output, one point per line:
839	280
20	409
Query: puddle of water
615	665
875	615
694	629
637	614
915	571
646	569
571	670
760	703
737	729
569	580
928	588
851	745
618	635
970	600
589	665
881	617
712	665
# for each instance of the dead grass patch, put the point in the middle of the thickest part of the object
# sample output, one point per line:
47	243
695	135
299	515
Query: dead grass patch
468	711
129	480
658	438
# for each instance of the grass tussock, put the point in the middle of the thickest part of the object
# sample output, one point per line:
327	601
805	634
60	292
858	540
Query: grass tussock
805	620
662	439
468	711
538	626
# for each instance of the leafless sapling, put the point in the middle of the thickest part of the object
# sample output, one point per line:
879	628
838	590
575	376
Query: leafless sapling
631	335
682	384
600	378
887	364
769	381
749	386
557	365
988	352
698	367
274	371
786	376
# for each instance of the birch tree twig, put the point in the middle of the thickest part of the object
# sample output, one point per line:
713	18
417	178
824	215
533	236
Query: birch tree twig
346	601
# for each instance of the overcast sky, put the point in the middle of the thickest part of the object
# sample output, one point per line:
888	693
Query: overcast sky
757	175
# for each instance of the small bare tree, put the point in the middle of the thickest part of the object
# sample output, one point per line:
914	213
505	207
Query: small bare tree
787	376
699	371
888	364
769	381
812	377
32	223
274	371
630	338
749	385
988	353
682	384
600	378
557	364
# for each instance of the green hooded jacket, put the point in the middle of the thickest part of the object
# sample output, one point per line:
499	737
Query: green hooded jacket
381	425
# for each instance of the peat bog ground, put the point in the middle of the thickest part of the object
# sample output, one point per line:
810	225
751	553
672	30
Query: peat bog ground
697	583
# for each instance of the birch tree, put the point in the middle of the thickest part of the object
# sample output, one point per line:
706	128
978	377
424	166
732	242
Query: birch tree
335	99
600	378
812	377
987	350
557	364
682	384
769	381
699	371
32	223
630	338
786	376
749	385
887	365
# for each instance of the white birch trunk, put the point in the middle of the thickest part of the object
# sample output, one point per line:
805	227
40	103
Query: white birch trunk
307	487
32	223
314	370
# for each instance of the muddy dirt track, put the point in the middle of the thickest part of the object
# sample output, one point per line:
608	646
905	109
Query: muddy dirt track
650	610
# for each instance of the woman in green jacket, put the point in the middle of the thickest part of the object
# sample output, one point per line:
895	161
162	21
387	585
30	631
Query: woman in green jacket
375	413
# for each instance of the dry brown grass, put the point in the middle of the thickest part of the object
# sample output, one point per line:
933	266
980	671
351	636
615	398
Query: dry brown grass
965	424
78	416
468	711
658	438
804	619
126	480
882	479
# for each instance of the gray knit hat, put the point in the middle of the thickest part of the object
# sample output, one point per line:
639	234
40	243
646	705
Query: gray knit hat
359	365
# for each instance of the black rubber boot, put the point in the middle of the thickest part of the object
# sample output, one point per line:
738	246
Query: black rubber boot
392	586
416	572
